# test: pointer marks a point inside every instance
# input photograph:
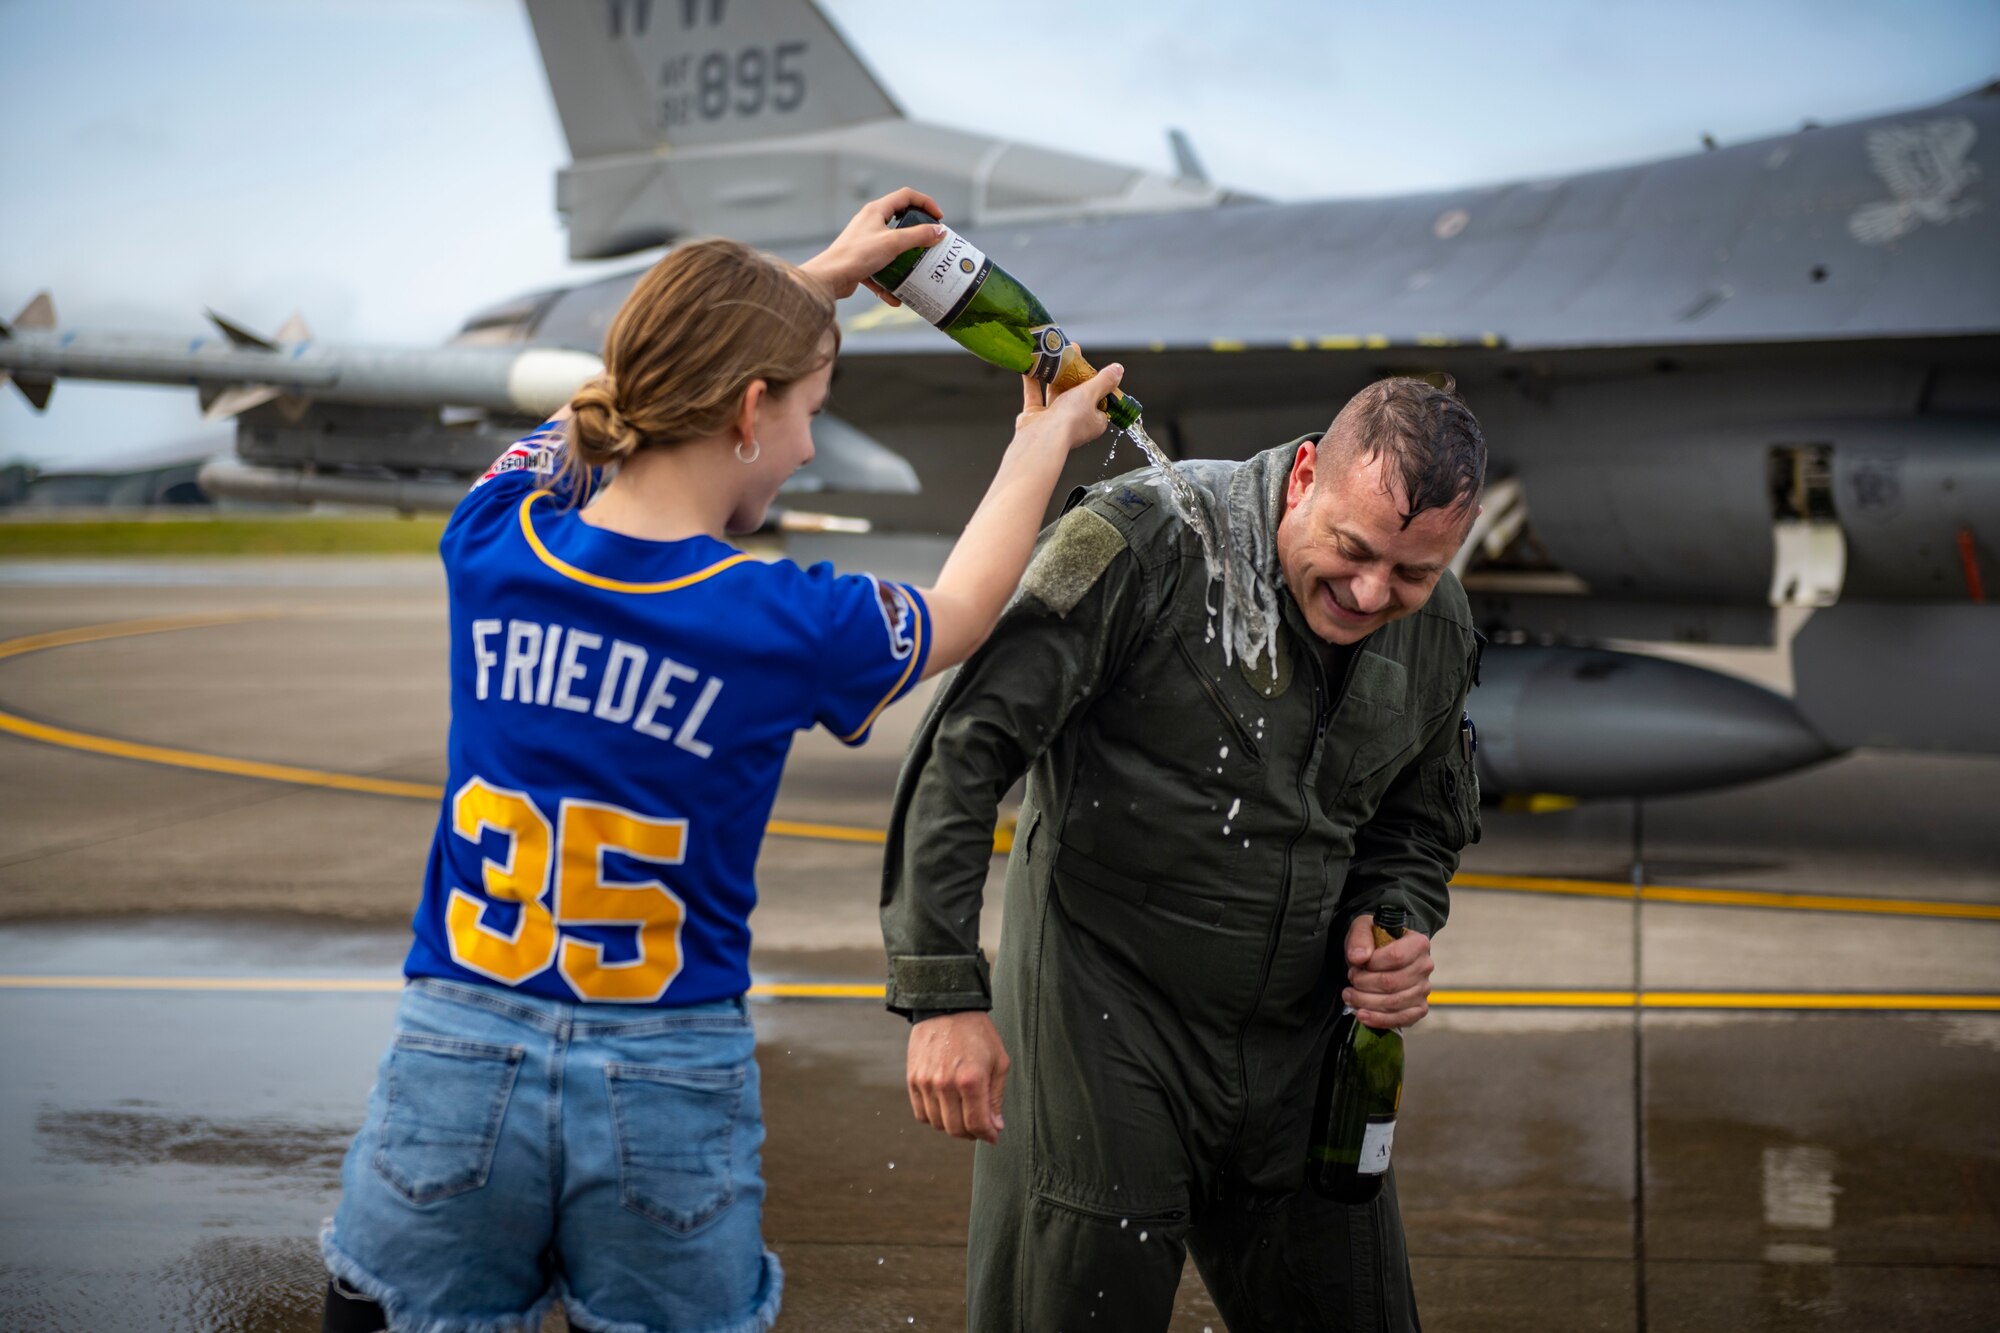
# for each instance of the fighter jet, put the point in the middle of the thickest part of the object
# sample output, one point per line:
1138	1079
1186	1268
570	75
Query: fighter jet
1760	377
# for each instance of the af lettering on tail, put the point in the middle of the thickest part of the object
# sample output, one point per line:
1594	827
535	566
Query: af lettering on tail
758	118
701	78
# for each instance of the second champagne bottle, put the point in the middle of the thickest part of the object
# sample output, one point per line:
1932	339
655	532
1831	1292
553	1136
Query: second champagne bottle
1360	1092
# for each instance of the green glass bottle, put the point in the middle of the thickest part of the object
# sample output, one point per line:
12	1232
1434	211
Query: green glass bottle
1360	1089
955	286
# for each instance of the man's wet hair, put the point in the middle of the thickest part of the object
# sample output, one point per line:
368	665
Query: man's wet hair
1430	434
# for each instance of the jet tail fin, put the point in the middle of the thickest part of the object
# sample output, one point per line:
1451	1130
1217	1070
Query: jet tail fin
635	76
757	119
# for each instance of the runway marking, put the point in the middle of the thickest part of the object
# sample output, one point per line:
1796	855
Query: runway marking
62	638
169	755
787	828
1880	1002
1003	837
210	763
1893	1002
309	985
1772	898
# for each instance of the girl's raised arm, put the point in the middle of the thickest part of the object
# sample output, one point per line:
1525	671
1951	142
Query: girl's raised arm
990	555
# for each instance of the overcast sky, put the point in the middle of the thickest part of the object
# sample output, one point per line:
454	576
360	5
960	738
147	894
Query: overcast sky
387	166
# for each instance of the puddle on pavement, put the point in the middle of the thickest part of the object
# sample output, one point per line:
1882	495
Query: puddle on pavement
297	1156
1800	1170
232	1285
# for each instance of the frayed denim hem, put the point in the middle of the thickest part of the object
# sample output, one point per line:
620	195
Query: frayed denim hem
397	1307
766	1314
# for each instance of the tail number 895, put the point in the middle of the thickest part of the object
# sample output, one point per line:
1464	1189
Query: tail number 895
573	854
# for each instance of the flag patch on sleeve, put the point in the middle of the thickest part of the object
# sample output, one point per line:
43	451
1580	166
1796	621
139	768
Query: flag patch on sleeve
536	453
899	617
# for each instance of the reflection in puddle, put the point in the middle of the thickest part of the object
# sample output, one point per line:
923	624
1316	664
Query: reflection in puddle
220	1286
1799	1188
232	1283
247	1286
309	1155
1799	1194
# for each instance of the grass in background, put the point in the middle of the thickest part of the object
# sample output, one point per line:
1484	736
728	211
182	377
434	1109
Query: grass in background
219	535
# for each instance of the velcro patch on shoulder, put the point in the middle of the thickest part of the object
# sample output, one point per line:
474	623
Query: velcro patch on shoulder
1073	558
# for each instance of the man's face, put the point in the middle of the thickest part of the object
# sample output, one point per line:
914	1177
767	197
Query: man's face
1349	562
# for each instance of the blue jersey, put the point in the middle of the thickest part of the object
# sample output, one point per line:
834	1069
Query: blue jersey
621	710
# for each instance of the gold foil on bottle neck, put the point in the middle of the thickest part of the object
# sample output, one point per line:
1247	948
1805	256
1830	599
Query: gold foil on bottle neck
1073	371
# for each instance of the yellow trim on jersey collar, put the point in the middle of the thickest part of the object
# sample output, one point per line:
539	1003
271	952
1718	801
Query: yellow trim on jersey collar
567	570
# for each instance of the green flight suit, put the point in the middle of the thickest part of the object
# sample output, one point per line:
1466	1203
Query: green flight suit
1194	839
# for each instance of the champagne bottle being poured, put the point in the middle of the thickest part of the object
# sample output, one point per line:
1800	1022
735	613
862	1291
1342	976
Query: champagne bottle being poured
1360	1091
986	310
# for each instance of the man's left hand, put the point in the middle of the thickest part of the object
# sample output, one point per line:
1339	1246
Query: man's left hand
1388	986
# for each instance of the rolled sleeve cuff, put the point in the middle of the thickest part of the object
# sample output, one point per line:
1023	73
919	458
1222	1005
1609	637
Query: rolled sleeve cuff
954	982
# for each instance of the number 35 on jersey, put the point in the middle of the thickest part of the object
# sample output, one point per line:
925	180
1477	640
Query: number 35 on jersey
555	874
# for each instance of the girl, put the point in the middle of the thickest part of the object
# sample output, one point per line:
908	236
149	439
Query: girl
569	1106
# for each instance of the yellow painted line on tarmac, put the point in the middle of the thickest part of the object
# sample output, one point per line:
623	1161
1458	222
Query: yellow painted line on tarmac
124	629
1003	837
1819	902
213	763
304	984
1879	1001
806	990
777	990
1535	999
16	725
788	828
1767	898
1887	1001
1582	888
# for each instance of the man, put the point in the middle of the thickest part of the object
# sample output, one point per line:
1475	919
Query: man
1193	876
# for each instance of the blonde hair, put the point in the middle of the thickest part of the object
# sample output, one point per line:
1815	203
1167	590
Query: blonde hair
701	325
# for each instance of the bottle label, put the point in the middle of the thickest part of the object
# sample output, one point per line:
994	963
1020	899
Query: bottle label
945	279
1375	1142
1050	341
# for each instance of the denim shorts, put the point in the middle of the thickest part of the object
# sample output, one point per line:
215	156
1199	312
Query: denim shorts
520	1150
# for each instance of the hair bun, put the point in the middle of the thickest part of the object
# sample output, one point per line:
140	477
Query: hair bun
602	434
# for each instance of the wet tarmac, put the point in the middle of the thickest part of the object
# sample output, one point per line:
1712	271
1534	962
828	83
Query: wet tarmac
167	1154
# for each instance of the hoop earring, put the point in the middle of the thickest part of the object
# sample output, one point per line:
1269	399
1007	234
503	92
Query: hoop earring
756	452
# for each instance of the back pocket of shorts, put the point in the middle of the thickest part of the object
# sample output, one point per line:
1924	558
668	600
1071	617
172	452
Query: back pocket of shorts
676	1129
446	1098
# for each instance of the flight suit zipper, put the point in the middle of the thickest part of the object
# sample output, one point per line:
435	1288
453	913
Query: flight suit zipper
1323	709
1236	724
1320	719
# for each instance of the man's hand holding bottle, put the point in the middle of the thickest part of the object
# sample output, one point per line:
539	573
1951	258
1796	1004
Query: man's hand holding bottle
1388	985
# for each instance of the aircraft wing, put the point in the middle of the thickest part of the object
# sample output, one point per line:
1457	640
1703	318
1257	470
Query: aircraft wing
1877	229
